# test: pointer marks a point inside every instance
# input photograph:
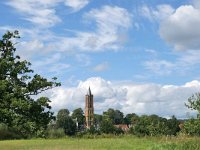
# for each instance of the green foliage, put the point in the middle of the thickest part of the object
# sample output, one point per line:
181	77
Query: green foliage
55	133
78	114
154	125
194	103
92	130
115	116
192	127
97	119
107	127
18	109
65	121
131	119
8	133
173	126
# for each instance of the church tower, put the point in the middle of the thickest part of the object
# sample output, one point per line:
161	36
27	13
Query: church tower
89	109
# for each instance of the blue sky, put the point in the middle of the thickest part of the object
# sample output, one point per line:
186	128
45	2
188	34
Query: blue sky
131	52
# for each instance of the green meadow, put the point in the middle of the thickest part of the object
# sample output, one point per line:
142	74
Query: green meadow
115	143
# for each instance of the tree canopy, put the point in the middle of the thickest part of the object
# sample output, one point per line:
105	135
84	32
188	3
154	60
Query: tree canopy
78	115
18	84
65	122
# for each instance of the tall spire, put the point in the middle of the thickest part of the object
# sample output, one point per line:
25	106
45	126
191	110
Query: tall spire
89	91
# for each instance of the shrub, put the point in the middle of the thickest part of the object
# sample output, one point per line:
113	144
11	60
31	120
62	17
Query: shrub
55	133
8	133
192	127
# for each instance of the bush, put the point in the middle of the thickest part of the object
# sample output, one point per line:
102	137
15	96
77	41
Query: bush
8	133
192	127
55	133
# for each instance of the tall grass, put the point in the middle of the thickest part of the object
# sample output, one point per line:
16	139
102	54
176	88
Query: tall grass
105	143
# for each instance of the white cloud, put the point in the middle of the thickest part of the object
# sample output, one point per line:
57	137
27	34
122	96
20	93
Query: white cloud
160	67
36	11
181	28
76	5
178	27
159	13
101	67
111	25
51	64
164	100
43	12
185	63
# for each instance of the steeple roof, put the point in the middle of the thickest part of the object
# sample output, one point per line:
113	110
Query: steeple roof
89	91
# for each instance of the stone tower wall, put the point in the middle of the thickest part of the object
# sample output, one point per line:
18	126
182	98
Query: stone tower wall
89	110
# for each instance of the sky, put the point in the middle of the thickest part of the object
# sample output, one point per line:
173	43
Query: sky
138	56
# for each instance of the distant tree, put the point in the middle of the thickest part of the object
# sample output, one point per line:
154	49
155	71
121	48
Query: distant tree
119	117
154	125
130	119
106	126
173	126
115	116
192	126
63	120
78	114
141	127
109	115
18	85
97	119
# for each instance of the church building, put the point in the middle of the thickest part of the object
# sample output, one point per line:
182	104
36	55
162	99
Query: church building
89	109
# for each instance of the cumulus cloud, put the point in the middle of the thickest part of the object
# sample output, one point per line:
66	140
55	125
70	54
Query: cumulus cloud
180	29
163	100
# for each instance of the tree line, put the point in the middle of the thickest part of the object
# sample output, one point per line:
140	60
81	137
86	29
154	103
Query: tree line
23	116
145	125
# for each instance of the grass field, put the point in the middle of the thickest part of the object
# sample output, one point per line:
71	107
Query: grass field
115	143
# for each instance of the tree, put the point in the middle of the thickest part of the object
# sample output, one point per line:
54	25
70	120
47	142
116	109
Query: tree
97	119
106	126
130	119
18	85
78	114
115	116
66	122
194	103
173	125
192	126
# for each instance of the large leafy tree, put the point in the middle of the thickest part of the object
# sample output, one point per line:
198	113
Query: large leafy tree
18	86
